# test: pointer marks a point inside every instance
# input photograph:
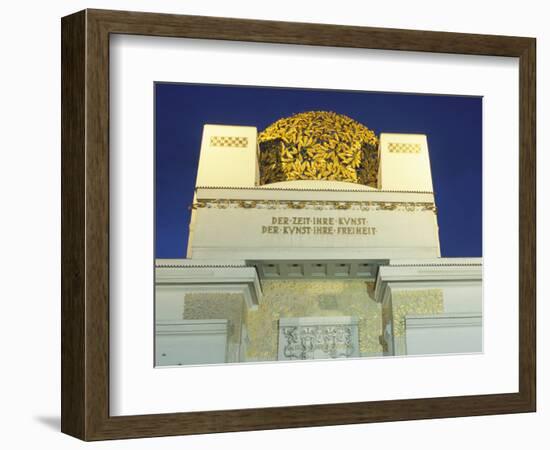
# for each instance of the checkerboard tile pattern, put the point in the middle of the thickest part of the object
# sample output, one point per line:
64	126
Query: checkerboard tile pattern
395	147
229	141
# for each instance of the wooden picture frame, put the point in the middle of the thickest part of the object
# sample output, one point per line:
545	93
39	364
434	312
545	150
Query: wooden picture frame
85	224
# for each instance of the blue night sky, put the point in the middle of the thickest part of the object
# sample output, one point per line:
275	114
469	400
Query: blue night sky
453	125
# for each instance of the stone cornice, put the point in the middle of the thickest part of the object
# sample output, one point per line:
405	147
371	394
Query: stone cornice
264	188
445	272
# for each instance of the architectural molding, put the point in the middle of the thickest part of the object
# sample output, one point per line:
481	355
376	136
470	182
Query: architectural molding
273	187
319	205
417	273
316	269
445	320
228	279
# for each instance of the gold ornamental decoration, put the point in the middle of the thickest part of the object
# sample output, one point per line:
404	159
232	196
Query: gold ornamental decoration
319	205
318	145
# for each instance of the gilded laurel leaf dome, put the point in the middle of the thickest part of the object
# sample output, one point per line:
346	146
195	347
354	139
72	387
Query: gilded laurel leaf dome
318	145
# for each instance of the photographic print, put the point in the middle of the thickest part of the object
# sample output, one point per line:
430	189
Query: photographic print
262	196
302	224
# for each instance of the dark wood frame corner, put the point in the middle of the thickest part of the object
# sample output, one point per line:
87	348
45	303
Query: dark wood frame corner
85	224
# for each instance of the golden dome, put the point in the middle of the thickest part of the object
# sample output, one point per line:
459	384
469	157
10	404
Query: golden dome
318	145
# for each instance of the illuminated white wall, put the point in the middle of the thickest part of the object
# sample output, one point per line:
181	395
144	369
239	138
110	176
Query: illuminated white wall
228	156
404	163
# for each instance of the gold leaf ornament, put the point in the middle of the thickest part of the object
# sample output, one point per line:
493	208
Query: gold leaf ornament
318	145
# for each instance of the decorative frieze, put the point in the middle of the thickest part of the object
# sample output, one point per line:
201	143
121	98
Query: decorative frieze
319	205
229	141
398	147
318	338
